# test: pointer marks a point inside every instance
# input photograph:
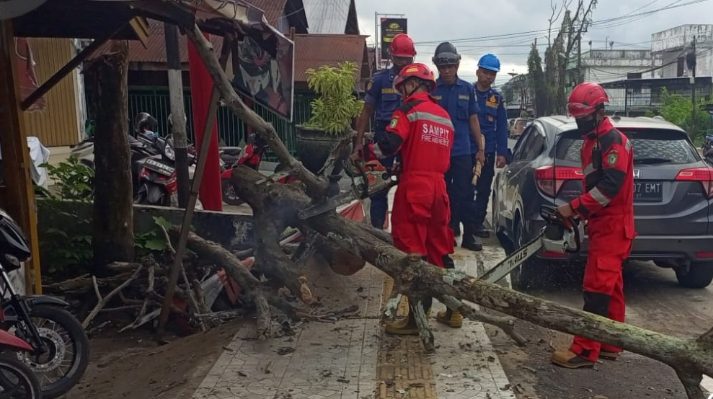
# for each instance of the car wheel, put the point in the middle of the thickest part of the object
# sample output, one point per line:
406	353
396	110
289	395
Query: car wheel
526	275
699	275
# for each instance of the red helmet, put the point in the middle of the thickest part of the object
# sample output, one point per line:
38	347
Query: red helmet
417	70
402	46
586	98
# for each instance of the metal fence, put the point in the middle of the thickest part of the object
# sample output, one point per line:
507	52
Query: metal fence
640	96
232	130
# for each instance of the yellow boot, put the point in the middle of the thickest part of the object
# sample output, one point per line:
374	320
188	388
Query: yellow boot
451	318
404	326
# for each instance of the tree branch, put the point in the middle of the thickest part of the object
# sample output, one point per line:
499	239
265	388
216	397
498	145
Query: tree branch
102	301
316	186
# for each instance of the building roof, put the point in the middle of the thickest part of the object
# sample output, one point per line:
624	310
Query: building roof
315	50
155	50
273	9
331	16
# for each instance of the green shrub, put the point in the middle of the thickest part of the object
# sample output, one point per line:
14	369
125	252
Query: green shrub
335	105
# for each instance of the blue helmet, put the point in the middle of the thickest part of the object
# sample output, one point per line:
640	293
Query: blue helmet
490	62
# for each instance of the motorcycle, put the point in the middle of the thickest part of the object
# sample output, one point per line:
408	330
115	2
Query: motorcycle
59	348
154	177
152	167
17	381
251	156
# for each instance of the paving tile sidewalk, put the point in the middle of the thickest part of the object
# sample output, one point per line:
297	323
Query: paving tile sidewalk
353	358
322	360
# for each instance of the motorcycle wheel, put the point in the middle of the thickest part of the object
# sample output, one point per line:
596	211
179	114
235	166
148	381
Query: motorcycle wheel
229	196
60	368
17	381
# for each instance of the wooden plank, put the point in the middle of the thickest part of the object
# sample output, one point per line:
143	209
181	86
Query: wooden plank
18	197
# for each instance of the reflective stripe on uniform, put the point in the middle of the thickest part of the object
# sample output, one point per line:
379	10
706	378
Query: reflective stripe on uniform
429	117
598	196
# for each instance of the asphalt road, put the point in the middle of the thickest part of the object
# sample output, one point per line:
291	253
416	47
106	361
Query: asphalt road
654	301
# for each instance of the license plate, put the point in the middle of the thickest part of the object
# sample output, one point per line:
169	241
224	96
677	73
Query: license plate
645	191
159	167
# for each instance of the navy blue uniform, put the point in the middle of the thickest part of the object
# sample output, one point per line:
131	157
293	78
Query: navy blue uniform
460	102
494	126
380	94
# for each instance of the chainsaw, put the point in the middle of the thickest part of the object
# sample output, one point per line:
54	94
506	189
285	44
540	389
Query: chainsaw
368	179
559	235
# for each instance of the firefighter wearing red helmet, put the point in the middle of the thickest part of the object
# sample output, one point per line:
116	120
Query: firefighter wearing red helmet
380	102
608	207
421	132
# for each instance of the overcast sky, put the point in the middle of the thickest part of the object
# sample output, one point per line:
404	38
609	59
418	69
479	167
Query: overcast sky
432	21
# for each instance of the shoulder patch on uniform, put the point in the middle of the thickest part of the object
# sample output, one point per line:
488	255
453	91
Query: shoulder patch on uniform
368	85
394	122
612	158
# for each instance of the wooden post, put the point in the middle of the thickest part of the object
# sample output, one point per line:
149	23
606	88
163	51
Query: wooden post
18	196
178	114
206	138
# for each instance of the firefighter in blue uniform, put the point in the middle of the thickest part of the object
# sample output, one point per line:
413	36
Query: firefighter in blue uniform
458	98
381	101
494	126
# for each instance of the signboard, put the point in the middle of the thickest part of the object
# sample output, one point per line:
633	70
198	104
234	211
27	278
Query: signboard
390	27
264	69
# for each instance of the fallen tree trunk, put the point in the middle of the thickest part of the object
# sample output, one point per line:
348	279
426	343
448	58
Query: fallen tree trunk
690	358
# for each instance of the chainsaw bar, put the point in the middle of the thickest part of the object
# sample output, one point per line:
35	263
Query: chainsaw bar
341	199
331	203
507	265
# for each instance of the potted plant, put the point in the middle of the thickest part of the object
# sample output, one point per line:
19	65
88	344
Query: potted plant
332	113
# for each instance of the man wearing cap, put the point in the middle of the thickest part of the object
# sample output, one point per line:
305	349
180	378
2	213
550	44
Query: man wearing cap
458	98
494	125
380	102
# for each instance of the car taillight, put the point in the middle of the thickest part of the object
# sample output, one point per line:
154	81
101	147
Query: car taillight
549	179
703	175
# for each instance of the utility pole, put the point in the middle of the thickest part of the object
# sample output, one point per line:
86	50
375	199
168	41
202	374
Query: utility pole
579	59
692	65
376	39
178	114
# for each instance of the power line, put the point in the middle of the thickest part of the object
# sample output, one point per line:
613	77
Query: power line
628	18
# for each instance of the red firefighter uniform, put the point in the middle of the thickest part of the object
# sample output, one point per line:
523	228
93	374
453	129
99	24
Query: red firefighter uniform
421	209
607	205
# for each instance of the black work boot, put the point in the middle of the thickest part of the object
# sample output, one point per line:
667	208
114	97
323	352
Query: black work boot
470	240
481	232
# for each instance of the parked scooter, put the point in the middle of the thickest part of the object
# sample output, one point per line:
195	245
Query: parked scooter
58	350
153	159
250	156
17	381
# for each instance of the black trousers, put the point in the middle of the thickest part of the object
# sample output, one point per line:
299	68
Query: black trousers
460	190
